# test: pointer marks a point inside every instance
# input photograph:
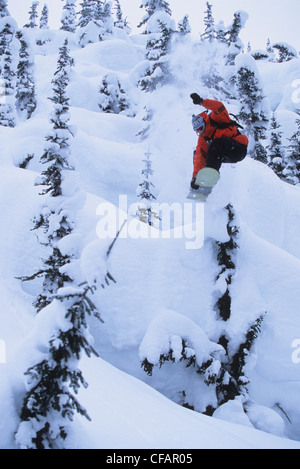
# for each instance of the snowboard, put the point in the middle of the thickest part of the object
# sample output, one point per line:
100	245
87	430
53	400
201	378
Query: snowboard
206	179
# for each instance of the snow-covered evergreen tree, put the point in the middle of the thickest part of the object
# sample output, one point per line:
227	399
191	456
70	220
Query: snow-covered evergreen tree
90	30
26	100
104	15
33	16
285	51
3	9
69	16
147	115
215	373
226	256
275	147
291	171
120	22
221	33
209	33
8	49
144	193
170	347
152	7
231	380
7	31
234	42
52	384
184	26
95	21
270	51
87	13
50	402
113	98
56	159
254	111
158	47
44	18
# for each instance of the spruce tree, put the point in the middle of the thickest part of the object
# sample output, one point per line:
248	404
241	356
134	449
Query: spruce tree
89	28
8	74
69	16
291	171
221	376
143	134
285	52
104	15
95	21
7	33
50	403
25	97
235	29
113	98
270	51
144	193
87	13
56	161
234	43
269	48
184	26
221	33
226	254
3	9
154	6
120	22
44	18
33	15
158	47
253	111
231	380
52	384
209	33
275	148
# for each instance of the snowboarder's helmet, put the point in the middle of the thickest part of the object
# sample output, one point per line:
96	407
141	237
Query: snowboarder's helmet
198	123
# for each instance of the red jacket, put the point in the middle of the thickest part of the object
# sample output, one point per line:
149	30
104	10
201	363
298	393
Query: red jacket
219	114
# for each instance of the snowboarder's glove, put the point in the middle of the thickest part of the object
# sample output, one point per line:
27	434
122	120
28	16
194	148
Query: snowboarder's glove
193	185
196	98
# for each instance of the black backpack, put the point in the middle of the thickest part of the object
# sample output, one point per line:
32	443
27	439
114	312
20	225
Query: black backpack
225	125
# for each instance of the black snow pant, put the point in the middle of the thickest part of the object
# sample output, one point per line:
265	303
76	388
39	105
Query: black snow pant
224	150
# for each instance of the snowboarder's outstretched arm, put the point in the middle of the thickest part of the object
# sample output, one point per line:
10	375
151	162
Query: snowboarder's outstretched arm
210	104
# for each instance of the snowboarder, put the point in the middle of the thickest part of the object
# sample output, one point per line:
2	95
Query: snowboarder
220	140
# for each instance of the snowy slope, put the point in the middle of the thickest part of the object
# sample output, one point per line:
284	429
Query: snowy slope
157	279
139	417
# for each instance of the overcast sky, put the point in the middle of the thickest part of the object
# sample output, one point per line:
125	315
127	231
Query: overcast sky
274	19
